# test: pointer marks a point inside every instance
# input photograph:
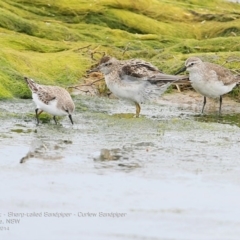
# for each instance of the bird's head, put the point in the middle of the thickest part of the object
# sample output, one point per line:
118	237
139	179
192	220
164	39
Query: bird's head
106	65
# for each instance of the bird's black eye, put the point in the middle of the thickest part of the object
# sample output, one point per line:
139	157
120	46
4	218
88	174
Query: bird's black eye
191	64
108	64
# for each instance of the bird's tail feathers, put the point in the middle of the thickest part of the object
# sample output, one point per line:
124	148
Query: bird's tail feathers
31	84
152	92
238	78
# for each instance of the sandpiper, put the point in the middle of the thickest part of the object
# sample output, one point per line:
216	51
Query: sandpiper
134	80
209	79
51	99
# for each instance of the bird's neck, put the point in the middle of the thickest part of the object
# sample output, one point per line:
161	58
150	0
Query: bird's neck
112	76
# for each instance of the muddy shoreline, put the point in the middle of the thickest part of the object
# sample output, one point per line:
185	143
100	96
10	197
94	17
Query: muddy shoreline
172	171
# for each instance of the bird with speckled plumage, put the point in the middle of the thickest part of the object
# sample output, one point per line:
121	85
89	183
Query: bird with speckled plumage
134	80
51	99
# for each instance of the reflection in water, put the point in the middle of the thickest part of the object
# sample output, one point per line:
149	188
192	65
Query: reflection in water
173	174
232	119
129	157
123	159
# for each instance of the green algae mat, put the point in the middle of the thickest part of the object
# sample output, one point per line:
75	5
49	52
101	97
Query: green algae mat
56	42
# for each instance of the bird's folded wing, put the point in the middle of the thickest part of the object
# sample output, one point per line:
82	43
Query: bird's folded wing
144	71
161	77
137	71
45	95
221	74
139	63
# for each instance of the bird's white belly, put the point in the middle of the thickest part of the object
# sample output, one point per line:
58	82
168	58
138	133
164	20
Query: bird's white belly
50	108
212	89
130	92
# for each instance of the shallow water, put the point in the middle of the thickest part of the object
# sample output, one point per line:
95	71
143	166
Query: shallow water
171	174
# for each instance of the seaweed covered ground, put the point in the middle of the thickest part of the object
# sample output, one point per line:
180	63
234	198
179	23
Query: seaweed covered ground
55	42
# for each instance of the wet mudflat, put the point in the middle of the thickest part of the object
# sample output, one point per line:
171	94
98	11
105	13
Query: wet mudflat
171	174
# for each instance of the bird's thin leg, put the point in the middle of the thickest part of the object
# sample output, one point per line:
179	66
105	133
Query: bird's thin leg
204	103
37	114
138	109
55	120
70	117
220	105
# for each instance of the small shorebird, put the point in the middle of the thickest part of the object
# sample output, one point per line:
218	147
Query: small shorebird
51	99
209	79
134	80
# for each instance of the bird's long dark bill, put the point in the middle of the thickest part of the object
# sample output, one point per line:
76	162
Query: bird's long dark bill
93	70
181	70
70	117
